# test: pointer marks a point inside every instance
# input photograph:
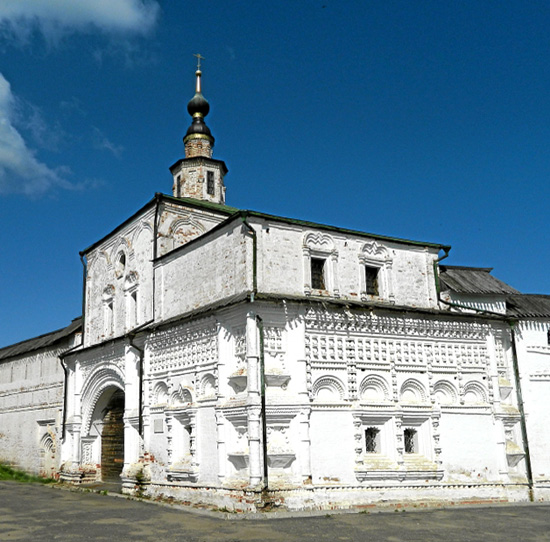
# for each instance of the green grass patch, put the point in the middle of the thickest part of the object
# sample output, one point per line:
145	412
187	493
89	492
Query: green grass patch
8	473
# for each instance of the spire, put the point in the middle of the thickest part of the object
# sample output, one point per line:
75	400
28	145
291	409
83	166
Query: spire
198	175
198	140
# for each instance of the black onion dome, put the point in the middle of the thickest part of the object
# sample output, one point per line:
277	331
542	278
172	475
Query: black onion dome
198	104
198	127
198	107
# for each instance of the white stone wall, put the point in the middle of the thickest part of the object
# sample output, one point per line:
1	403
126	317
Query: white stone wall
438	377
119	283
31	402
211	270
94	374
534	365
179	224
329	376
405	277
181	366
489	303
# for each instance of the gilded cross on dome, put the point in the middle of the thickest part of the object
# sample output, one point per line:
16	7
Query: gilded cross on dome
199	58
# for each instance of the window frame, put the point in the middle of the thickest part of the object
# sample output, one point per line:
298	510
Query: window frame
318	276
210	183
372	284
320	246
375	439
410	437
375	256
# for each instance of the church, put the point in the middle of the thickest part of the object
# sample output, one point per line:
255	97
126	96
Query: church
243	361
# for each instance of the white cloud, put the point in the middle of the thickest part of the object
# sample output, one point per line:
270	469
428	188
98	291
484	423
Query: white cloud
20	170
101	142
30	119
56	17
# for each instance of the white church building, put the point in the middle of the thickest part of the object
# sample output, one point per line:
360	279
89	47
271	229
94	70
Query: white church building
242	360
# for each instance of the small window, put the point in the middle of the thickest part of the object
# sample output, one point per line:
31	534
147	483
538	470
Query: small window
108	317
372	440
132	310
318	273
371	280
410	441
210	183
548	336
178	186
120	265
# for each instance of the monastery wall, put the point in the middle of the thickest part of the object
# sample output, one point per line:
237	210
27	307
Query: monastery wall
490	303
31	401
405	272
534	366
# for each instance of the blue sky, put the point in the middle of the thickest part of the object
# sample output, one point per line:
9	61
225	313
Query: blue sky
423	120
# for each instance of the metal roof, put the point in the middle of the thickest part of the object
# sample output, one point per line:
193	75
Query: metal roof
472	280
48	339
528	306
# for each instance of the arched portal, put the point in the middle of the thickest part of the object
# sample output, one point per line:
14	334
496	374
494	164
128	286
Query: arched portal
48	457
112	438
109	413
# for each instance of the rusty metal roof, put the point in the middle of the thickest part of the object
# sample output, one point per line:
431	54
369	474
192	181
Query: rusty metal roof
48	339
528	306
472	280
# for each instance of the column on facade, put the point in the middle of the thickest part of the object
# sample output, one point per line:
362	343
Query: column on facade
297	344
254	401
73	419
132	440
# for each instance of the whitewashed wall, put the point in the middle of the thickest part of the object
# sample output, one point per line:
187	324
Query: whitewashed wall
534	365
214	268
119	296
110	310
406	274
31	402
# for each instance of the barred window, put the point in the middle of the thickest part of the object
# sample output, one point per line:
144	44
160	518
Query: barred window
318	273
410	441
371	280
210	182
371	440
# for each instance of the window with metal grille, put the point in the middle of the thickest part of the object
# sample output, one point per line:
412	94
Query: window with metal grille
210	182
410	441
371	280
318	273
371	440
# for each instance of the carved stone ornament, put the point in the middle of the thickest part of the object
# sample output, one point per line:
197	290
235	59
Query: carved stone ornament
239	460
514	454
280	460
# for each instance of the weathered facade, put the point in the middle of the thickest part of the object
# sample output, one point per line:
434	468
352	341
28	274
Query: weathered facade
241	360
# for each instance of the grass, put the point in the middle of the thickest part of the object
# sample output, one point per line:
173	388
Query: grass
8	473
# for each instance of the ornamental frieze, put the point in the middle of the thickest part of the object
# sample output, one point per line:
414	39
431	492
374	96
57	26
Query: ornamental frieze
346	322
184	345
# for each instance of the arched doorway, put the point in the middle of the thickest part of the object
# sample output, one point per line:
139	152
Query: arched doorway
48	458
112	438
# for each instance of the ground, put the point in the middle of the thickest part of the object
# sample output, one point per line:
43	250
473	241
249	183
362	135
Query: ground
34	512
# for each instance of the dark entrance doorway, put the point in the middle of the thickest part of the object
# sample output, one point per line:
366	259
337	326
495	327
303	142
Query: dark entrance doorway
112	438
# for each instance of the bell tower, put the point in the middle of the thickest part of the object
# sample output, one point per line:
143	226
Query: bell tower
198	175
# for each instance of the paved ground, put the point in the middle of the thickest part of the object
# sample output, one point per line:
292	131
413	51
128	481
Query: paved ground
35	513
